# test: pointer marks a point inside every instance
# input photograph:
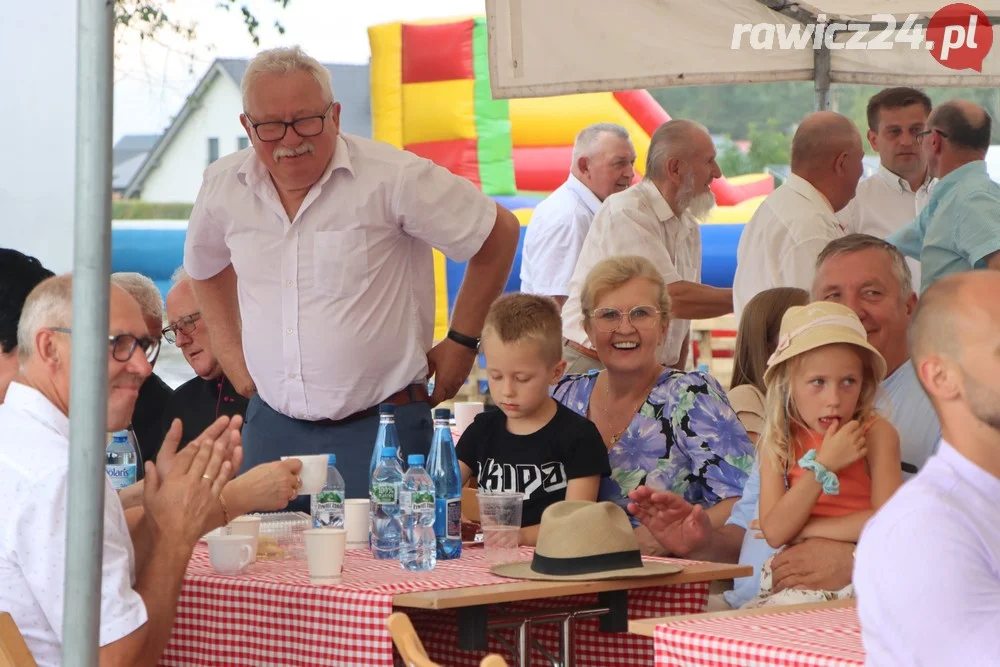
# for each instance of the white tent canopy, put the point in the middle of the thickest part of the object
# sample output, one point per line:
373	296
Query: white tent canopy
555	47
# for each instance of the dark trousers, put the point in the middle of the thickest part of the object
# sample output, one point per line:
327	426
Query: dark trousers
268	435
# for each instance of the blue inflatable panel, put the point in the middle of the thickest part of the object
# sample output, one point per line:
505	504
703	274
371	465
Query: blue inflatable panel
514	202
718	254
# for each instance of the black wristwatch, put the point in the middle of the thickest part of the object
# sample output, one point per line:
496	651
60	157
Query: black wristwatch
462	339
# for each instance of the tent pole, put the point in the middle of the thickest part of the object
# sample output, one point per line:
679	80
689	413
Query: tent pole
89	359
821	77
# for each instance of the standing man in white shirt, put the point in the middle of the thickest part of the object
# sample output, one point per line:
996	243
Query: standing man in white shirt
603	164
780	244
657	220
143	561
311	258
899	190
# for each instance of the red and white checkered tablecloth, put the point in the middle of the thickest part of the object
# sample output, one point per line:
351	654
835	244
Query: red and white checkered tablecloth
271	616
812	638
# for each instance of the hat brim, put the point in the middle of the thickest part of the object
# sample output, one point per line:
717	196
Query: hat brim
794	350
523	571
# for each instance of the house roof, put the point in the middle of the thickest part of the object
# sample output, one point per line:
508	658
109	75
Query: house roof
351	86
123	172
131	145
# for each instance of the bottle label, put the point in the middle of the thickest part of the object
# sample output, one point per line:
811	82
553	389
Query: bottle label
406	501
385	494
121	476
454	513
423	502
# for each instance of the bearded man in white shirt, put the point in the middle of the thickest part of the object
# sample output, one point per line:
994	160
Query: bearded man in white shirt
891	198
657	220
780	244
603	164
144	559
311	254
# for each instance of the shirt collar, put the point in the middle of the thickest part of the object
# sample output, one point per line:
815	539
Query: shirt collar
36	406
661	208
585	194
809	191
897	182
975	476
252	171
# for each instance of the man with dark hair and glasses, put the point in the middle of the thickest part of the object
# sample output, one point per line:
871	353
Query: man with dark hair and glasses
311	258
899	190
959	230
19	273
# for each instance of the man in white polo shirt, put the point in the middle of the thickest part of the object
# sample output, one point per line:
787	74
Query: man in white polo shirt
143	560
311	254
780	244
657	220
891	198
603	160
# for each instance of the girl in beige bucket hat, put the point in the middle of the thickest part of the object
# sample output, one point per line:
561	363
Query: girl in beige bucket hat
827	459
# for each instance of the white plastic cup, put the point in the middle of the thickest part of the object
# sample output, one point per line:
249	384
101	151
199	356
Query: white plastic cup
247	525
500	518
230	554
325	555
313	473
356	521
465	412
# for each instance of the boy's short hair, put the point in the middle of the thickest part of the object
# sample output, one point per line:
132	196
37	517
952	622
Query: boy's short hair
517	317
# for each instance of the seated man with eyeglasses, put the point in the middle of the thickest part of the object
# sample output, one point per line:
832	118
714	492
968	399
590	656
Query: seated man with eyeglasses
143	561
202	399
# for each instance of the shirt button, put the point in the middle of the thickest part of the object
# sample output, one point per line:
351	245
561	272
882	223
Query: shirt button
289	330
288	283
291	375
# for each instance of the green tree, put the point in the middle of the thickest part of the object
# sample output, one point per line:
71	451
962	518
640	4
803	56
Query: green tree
768	145
732	161
148	18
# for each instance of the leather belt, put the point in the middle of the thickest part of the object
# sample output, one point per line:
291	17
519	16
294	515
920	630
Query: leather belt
585	351
415	393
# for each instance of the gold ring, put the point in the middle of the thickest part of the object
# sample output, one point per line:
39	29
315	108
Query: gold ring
208	477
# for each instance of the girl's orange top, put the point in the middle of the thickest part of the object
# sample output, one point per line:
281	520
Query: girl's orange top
855	482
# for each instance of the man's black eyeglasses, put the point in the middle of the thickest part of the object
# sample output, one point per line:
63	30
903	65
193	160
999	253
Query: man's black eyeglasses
184	325
274	130
920	135
123	346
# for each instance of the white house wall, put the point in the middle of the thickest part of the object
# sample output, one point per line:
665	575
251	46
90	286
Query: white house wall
177	177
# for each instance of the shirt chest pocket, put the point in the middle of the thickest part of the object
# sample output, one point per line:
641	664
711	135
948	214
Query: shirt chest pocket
340	262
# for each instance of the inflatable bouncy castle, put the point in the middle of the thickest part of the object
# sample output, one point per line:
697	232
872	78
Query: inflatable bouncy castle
430	94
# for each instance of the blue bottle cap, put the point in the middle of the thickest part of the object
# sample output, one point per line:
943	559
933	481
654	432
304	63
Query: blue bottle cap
442	413
415	459
388	452
387	409
331	460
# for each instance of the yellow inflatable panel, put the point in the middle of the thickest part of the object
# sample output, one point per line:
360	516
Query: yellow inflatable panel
386	78
734	215
523	215
439	111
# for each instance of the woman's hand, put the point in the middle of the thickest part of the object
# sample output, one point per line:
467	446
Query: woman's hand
842	446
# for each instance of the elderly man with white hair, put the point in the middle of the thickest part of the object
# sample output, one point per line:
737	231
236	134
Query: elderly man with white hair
312	265
147	418
143	560
657	220
603	160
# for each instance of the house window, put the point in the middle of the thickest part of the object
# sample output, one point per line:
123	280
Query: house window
213	149
242	142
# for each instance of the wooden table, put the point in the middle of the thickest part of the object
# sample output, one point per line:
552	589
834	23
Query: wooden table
647	626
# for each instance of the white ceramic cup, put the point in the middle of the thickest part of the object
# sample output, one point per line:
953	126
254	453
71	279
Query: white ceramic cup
230	554
325	554
247	525
465	412
356	521
313	473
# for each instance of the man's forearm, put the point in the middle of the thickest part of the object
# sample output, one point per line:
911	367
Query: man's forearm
694	301
218	302
486	275
724	546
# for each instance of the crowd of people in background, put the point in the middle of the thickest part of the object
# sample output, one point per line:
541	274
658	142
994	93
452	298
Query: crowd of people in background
856	451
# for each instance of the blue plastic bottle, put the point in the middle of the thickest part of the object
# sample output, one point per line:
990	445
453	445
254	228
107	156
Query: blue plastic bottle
442	466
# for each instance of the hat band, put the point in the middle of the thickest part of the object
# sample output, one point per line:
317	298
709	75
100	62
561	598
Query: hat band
619	560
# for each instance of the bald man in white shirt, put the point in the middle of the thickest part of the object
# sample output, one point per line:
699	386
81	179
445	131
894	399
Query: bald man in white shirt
891	198
780	244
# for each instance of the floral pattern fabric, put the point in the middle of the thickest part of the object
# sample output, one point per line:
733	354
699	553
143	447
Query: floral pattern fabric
685	438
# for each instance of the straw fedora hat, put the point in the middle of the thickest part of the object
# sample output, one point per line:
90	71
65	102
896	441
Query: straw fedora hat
805	328
584	541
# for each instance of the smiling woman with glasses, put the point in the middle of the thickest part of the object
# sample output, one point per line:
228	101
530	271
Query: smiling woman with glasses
663	428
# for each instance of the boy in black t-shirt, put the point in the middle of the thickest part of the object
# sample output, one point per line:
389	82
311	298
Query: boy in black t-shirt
533	444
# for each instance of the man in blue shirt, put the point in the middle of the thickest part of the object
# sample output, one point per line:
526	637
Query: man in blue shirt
959	229
870	277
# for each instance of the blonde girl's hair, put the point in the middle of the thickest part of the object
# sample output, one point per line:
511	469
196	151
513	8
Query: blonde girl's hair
775	444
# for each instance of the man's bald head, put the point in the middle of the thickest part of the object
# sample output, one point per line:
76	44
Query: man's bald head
935	325
674	139
827	152
966	125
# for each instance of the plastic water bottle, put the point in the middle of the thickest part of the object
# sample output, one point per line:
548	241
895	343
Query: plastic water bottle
121	456
328	504
386	532
386	436
418	550
442	466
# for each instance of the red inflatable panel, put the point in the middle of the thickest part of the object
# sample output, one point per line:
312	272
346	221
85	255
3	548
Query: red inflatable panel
541	168
729	194
423	46
460	157
644	108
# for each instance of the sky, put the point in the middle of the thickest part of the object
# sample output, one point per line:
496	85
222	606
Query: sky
152	79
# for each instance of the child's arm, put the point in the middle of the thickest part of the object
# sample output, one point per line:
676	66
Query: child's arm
466	473
783	514
581	488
